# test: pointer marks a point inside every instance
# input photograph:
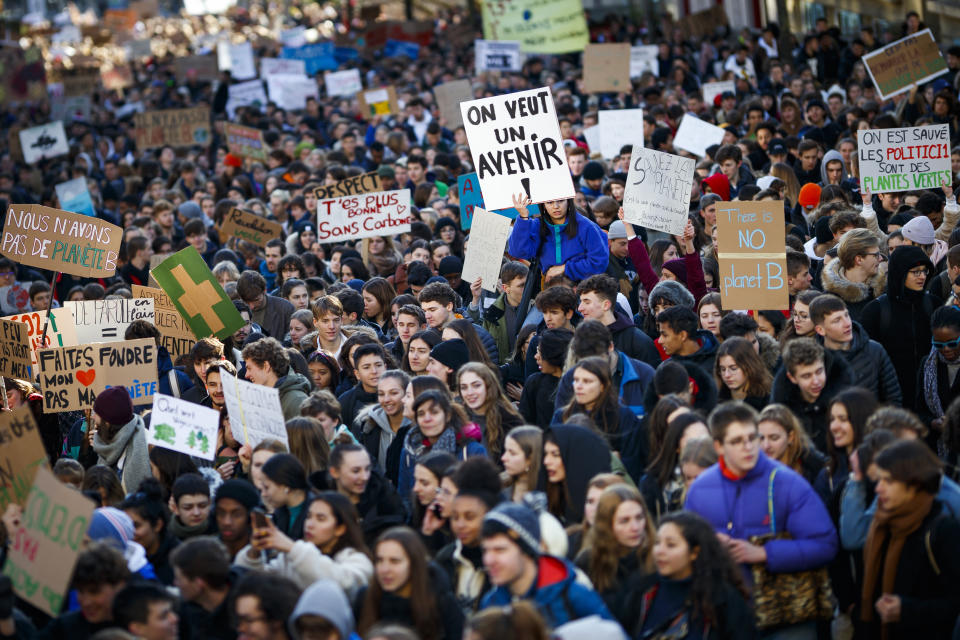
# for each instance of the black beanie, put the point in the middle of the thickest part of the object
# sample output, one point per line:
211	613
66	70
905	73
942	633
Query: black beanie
553	345
451	353
239	490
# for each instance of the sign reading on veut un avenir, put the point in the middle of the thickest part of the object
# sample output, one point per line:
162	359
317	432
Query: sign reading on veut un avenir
657	194
517	148
904	159
367	215
752	249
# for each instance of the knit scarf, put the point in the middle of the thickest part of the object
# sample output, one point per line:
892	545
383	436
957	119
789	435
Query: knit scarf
930	384
181	531
130	440
893	526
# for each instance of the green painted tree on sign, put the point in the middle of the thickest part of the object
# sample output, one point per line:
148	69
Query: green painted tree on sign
166	433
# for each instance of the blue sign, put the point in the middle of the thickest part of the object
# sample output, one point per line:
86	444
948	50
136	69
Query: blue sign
468	187
397	48
74	196
317	57
345	54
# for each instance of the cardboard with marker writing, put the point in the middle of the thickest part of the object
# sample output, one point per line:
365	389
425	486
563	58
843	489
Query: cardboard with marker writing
378	102
367	215
58	240
187	427
657	194
449	96
488	239
176	127
108	320
197	295
175	334
752	251
915	59
606	68
364	183
196	67
16	356
21	454
255	411
246	142
906	159
73	377
250	227
44	550
60	331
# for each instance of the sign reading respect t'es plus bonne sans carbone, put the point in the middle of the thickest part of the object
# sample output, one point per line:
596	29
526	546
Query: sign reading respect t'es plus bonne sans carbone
753	255
904	159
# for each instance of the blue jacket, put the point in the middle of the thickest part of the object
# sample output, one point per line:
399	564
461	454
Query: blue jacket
739	508
632	378
586	254
556	594
164	366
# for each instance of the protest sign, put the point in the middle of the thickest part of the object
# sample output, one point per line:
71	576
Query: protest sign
592	136
317	56
713	89
197	295
905	159
79	83
752	251
45	141
21	454
606	68
60	331
116	77
250	227
282	67
246	94
255	411
245	142
73	377
175	334
468	187
915	59
57	240
541	26
353	186
196	68
615	126
15	353
703	23
343	83
643	59
237	59
291	92
399	48
490	55
71	108
107	320
138	49
15	298
43	552
488	238
378	102
516	147
382	213
449	96
295	37
176	127
184	426
74	195
695	135
657	194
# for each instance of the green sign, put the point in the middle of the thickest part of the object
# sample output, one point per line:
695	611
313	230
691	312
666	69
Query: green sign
197	295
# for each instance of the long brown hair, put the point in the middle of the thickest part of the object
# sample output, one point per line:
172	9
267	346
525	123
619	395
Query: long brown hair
423	599
518	620
493	407
530	440
758	381
345	513
605	414
605	551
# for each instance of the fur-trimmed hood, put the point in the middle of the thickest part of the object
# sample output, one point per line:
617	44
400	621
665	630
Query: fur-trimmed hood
851	292
769	351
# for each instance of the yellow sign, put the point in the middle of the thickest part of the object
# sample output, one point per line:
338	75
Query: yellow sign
540	26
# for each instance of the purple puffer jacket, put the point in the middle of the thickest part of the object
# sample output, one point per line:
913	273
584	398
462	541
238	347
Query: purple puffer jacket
739	508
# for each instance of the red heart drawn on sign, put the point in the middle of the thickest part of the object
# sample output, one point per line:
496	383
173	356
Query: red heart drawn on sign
86	377
401	208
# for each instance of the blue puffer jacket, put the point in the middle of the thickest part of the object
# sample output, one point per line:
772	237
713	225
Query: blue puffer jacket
586	254
739	508
557	595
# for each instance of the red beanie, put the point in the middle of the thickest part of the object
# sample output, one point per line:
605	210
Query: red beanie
809	195
233	161
720	185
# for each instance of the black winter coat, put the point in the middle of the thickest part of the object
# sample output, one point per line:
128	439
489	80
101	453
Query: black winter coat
396	609
871	366
537	399
632	341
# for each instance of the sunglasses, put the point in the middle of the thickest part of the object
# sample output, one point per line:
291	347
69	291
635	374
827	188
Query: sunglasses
953	344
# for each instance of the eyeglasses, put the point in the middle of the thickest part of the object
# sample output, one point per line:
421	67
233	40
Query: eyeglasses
923	271
952	344
878	255
742	440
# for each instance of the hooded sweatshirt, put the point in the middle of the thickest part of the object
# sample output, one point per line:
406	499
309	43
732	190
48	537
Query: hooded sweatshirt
585	453
828	157
293	389
324	598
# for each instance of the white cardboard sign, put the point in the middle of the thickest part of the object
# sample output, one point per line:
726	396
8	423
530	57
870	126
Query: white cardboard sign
365	215
184	426
237	59
904	159
291	92
45	141
491	55
255	411
695	135
244	95
657	194
282	67
107	320
616	125
343	83
488	239
517	148
644	58
713	89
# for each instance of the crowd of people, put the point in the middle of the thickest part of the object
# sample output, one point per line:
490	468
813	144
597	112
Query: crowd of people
596	449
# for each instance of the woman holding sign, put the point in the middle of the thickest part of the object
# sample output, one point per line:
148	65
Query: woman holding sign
566	242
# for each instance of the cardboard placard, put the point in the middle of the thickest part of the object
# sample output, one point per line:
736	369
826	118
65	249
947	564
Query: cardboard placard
644	58
713	89
184	426
695	135
615	126
255	411
517	148
449	96
378	102
541	26
71	109
468	186
15	353
196	68
657	194
176	127
915	59
60	332
246	94
175	334
353	186
80	83
592	137
343	83
383	213
704	23
282	67
250	227
291	92
21	454
74	195
316	57
490	55
44	550
606	68
246	142
107	320
58	240
488	240
753	255
73	377
197	295
237	59
45	141
904	159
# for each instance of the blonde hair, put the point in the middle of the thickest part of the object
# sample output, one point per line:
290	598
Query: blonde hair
853	243
796	447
